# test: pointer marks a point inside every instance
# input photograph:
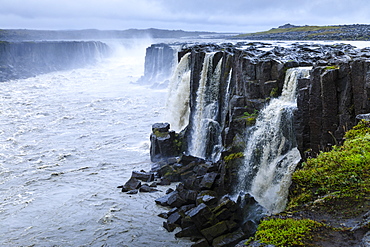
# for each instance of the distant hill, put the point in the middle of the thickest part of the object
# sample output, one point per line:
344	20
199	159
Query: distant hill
25	34
292	32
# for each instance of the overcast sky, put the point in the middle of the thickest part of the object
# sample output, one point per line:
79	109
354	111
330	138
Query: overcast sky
189	15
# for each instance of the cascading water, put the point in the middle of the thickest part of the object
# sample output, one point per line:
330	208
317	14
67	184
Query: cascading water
205	132
271	154
178	95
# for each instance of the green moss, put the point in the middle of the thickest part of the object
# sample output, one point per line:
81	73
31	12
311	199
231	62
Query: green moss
160	134
341	175
294	29
250	118
286	232
332	67
233	156
274	92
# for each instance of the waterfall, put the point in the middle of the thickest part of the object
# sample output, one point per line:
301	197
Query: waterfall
178	95
271	154
206	139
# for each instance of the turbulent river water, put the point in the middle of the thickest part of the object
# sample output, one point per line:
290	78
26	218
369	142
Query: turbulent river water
67	140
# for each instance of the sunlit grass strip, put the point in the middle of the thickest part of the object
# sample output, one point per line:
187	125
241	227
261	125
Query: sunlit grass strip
293	29
286	232
343	172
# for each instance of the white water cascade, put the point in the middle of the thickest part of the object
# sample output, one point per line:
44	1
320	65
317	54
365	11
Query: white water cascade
204	124
271	154
177	105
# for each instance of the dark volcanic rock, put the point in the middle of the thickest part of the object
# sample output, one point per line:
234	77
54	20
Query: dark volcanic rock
131	184
229	240
143	176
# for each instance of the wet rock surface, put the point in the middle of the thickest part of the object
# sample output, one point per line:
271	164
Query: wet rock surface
200	206
328	101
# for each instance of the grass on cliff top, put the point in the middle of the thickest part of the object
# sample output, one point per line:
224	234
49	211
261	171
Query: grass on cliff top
336	182
289	30
286	232
339	178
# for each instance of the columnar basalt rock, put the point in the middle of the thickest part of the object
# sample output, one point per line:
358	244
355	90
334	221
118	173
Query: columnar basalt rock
337	91
328	101
159	62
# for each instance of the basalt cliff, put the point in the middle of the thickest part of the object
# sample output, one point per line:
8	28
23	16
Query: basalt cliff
217	96
251	74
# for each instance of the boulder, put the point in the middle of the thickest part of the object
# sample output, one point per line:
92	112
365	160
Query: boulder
131	184
208	180
190	231
214	231
200	215
143	176
175	200
160	127
147	188
201	243
229	240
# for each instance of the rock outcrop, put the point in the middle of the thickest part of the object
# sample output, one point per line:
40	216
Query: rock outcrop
236	82
159	62
251	73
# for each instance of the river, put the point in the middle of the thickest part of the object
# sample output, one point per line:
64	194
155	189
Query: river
67	140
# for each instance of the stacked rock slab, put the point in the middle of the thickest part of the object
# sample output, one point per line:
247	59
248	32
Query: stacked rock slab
200	205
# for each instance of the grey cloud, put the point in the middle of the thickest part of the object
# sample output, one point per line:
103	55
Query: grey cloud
212	15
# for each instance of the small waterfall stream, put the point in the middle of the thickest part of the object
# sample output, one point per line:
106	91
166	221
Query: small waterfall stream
271	154
177	104
205	128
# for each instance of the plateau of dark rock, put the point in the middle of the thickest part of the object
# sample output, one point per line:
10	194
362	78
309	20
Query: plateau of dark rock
328	101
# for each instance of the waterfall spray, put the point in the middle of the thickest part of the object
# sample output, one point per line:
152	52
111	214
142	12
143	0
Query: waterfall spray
271	154
178	95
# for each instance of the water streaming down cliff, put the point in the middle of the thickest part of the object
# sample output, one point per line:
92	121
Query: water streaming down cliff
26	59
271	153
178	95
205	129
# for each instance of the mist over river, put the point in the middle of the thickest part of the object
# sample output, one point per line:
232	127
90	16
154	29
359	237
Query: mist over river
67	140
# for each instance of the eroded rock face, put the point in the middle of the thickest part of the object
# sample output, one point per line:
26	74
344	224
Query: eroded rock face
159	62
337	90
252	73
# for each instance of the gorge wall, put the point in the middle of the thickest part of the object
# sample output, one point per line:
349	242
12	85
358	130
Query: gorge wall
241	78
245	114
26	59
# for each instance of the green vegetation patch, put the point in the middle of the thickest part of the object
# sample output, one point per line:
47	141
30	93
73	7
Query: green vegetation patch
250	118
337	178
294	29
234	156
287	232
331	67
